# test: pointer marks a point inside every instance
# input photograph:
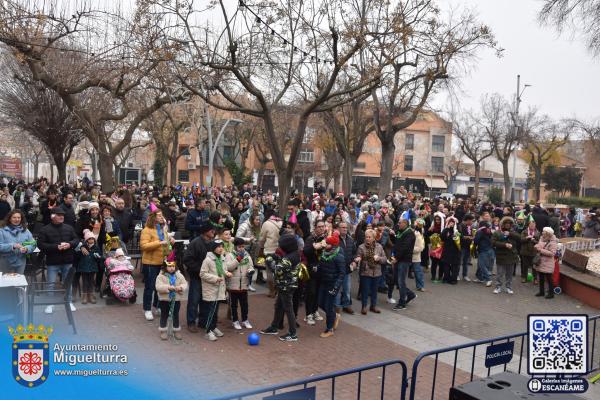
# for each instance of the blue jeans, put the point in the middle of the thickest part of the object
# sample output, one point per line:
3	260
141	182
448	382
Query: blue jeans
404	291
465	258
419	275
327	304
53	271
343	298
368	286
150	295
485	261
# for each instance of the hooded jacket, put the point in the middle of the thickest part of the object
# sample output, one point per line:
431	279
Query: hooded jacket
10	257
504	255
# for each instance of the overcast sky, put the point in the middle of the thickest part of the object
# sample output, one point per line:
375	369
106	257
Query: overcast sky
563	74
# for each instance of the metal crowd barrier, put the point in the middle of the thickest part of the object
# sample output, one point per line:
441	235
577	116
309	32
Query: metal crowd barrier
332	377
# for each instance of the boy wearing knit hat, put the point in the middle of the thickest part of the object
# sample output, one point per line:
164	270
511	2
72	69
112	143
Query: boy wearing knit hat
213	272
237	284
88	265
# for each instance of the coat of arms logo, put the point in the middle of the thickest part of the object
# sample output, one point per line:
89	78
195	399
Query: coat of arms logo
30	354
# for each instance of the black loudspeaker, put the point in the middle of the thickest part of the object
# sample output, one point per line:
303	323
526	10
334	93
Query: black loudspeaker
504	386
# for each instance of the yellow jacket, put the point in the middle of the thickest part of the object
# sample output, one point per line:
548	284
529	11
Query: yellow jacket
152	250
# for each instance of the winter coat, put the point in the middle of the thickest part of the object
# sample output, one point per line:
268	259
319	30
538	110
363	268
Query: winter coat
246	232
85	222
349	248
466	239
483	239
332	271
404	246
212	288
50	236
547	252
5	209
195	219
311	254
125	221
371	269
194	256
162	286
419	247
11	258
591	229
504	255
528	245
239	281
69	214
88	263
285	271
269	235
451	252
153	253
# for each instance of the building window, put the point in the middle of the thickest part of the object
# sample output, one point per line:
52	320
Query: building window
306	156
408	162
309	134
409	142
228	153
438	143
183	175
437	164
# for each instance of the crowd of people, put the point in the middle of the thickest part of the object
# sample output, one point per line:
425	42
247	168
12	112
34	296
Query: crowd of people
305	254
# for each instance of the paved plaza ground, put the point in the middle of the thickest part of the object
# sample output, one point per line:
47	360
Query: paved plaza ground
442	316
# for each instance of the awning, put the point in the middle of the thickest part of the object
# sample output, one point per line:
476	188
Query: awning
435	183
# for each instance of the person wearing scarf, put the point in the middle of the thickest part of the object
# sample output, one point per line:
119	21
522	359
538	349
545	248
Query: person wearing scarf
155	245
433	237
451	253
213	272
370	258
332	269
529	238
170	285
16	243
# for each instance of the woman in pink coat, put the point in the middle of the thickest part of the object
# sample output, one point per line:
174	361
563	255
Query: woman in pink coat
546	247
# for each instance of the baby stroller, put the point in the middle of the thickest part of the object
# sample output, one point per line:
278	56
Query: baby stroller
119	282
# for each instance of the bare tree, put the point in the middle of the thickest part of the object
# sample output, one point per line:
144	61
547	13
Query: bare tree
418	50
470	132
289	54
577	15
40	112
543	139
109	70
501	133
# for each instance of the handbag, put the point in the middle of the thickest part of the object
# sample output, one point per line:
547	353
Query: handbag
537	259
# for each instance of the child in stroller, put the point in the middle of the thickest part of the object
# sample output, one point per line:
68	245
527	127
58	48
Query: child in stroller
119	278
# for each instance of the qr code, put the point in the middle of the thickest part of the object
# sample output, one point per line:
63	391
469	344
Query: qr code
557	344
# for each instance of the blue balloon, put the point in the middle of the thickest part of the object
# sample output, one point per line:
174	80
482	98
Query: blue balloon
253	339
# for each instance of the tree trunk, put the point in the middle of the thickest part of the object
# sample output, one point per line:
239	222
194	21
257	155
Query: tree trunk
388	150
261	175
51	173
173	171
507	192
107	176
477	174
284	190
36	166
61	166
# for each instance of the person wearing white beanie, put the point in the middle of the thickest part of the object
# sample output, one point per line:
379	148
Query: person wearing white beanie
546	247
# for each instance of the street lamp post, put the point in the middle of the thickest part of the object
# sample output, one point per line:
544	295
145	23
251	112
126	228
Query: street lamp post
516	120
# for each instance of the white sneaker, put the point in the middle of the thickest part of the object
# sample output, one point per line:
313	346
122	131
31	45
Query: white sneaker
217	332
211	336
237	326
476	280
148	315
509	291
467	279
488	283
73	309
246	324
49	309
251	288
318	316
458	278
310	320
390	300
497	290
